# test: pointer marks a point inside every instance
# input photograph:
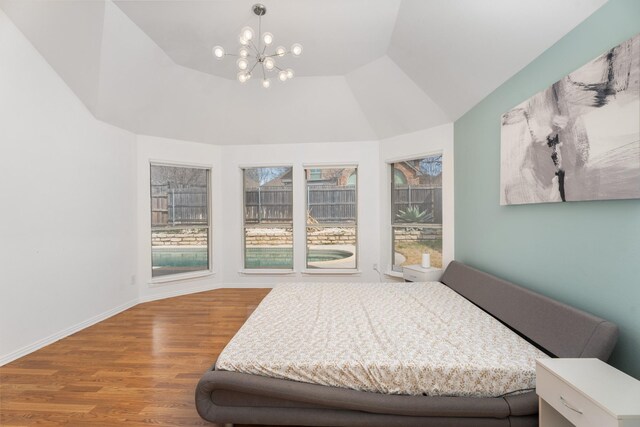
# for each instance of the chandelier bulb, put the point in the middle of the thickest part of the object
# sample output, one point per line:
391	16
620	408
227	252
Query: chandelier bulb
242	77
242	63
282	75
281	51
267	38
296	49
290	73
247	33
243	52
218	52
266	83
269	63
242	40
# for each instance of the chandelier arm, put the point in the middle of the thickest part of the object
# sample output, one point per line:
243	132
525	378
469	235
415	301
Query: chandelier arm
254	47
275	54
264	76
254	66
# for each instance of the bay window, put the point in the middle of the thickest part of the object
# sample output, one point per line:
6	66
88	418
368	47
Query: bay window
416	211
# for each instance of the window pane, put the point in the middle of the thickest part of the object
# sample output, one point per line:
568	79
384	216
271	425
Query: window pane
416	210
331	247
417	191
331	218
268	217
268	247
315	174
179	220
178	196
409	243
181	250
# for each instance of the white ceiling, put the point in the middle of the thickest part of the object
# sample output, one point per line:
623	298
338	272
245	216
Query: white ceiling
371	69
187	30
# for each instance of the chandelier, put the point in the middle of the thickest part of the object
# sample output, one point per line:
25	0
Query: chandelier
253	56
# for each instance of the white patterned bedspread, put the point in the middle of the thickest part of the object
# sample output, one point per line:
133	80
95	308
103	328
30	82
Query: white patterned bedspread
394	338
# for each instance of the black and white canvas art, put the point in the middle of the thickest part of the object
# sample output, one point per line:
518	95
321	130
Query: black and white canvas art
580	138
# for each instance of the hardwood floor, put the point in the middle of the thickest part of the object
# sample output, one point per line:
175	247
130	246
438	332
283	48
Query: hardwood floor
139	367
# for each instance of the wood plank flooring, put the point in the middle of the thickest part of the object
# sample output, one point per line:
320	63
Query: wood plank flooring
137	368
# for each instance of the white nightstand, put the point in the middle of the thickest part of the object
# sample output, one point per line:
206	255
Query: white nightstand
415	273
586	392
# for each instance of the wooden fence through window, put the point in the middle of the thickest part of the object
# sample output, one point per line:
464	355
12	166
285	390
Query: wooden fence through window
326	204
179	206
425	198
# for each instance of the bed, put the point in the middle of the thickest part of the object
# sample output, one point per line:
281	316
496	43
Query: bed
278	391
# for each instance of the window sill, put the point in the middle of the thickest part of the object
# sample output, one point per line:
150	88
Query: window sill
396	274
267	272
331	271
163	280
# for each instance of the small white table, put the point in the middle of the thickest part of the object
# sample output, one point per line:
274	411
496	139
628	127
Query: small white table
415	273
586	392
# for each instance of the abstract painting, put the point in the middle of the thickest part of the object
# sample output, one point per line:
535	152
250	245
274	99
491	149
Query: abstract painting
579	139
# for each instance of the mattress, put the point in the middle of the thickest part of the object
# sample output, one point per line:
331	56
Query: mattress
392	338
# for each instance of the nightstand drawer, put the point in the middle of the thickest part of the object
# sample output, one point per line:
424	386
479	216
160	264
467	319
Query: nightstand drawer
415	273
570	403
412	276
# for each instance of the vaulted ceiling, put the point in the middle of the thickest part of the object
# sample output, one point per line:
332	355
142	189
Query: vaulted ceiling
371	69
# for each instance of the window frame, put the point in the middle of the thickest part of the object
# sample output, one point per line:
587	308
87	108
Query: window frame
395	270
332	271
159	280
243	225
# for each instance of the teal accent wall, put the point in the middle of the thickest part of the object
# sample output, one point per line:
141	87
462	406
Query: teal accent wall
586	254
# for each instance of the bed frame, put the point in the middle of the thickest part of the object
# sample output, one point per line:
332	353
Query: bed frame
558	329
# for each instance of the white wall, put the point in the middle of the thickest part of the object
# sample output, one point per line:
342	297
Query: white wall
411	146
363	154
177	152
67	231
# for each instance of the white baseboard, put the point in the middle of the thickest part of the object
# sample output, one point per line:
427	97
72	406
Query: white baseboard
10	357
247	285
177	293
65	333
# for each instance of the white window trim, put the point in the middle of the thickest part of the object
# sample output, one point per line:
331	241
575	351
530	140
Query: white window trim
243	246
335	271
183	277
158	162
331	271
267	271
390	161
414	156
329	165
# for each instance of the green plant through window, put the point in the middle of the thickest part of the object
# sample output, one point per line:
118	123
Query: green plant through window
413	214
416	211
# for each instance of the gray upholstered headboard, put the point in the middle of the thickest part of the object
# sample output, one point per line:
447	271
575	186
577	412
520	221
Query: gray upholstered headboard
562	330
